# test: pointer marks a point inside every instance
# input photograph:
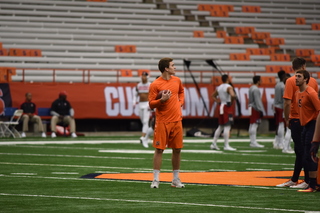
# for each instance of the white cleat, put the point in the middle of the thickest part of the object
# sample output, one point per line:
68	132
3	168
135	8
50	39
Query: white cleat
23	135
74	135
214	147
145	143
229	148
256	145
53	135
154	184
177	183
43	135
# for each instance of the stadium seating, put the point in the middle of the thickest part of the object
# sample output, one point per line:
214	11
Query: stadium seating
134	34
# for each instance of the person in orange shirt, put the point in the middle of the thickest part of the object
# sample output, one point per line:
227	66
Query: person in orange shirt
293	122
168	130
308	109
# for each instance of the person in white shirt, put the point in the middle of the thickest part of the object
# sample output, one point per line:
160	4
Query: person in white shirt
224	95
140	96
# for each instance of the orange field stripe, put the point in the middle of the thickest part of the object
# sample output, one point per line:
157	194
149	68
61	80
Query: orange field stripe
251	178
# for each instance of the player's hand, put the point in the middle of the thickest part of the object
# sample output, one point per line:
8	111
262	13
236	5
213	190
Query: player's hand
261	114
314	150
166	96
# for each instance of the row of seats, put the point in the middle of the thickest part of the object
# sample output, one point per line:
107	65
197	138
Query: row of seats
134	35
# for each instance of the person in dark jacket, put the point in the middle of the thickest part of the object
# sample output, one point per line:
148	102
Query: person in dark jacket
30	115
62	111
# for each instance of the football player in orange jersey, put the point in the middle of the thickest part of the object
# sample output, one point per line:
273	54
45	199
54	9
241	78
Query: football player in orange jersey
168	132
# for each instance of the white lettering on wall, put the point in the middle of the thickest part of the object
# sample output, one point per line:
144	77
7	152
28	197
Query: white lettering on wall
119	101
270	100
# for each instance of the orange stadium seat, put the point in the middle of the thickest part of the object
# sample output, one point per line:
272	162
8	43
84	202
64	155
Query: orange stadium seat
6	73
244	31
140	71
216	80
219	13
3	52
300	20
221	34
251	9
280	57
240	56
119	48
25	52
315	59
277	68
233	40
268	80
259	37
315	26
1	45
130	48
260	51
274	42
35	53
204	7
198	34
304	52
15	52
126	72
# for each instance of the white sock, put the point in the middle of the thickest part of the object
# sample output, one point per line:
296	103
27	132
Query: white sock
253	133
216	135
226	132
149	132
156	174
287	139
175	174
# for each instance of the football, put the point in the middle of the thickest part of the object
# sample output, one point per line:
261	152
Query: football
160	94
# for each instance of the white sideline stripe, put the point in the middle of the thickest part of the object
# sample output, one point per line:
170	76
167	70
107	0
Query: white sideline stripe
106	167
71	141
24	173
148	201
166	151
65	173
138	181
224	153
71	156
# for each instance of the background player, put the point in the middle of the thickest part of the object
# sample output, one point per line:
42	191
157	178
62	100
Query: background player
140	95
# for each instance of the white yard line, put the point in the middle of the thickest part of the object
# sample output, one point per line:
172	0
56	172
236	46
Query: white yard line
71	141
148	201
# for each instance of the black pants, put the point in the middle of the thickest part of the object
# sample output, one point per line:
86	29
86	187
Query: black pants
296	130
306	138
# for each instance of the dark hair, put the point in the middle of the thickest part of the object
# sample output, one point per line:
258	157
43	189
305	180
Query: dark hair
224	78
306	75
281	74
256	79
298	63
164	63
286	76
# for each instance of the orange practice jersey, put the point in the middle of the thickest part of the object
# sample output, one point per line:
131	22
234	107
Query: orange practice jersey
289	93
171	110
308	105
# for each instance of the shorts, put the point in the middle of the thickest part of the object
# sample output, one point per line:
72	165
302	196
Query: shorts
168	135
226	115
255	116
278	115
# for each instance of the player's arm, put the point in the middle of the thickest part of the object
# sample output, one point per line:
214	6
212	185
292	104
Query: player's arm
232	94
286	110
215	96
315	141
153	102
135	96
181	94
